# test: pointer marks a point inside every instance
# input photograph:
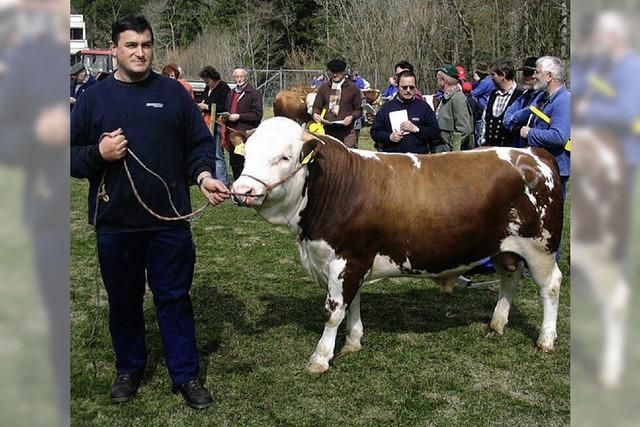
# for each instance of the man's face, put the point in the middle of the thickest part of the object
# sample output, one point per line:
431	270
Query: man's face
528	81
80	76
240	76
407	87
337	76
542	79
497	78
440	83
134	53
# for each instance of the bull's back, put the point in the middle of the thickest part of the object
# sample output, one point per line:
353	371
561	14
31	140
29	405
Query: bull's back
441	210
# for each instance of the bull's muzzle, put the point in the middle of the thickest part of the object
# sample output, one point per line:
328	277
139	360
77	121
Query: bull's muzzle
243	195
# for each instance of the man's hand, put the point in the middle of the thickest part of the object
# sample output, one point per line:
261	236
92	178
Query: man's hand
524	131
348	120
317	117
408	127
396	137
234	117
113	146
214	190
52	125
203	106
72	100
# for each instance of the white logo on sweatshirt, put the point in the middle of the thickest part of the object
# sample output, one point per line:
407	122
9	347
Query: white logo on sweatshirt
155	104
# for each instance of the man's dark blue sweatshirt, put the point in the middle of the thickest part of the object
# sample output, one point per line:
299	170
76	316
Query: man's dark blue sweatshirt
163	127
419	113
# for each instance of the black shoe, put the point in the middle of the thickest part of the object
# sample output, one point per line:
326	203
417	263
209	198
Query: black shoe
125	387
194	393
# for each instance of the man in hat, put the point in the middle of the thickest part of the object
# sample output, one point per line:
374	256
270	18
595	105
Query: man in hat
341	100
80	81
455	117
526	98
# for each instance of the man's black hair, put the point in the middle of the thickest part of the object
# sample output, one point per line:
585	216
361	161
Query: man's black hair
209	72
503	67
138	23
405	65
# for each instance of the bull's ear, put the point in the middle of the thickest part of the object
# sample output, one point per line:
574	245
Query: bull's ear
311	145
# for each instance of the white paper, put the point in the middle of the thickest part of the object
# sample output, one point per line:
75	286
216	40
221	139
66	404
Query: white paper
397	118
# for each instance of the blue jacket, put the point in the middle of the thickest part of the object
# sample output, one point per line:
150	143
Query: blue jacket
482	91
618	112
523	101
555	135
163	127
419	113
390	91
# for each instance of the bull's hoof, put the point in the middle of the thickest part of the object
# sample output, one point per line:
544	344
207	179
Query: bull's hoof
317	368
350	348
545	346
497	326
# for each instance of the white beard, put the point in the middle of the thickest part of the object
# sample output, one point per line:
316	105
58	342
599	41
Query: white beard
540	85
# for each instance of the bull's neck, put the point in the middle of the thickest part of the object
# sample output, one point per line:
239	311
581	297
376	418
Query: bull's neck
287	212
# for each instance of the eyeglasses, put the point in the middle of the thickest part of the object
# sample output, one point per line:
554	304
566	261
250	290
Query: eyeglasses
406	87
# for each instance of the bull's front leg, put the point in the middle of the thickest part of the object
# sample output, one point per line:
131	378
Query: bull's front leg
334	312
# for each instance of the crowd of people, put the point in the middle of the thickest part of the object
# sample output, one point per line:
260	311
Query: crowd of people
136	109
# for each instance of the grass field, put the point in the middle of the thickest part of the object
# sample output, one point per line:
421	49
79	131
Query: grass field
426	360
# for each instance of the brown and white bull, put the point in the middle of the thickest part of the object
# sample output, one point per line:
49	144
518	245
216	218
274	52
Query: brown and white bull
359	216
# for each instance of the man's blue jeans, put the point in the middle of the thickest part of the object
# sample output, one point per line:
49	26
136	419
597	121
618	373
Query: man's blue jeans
221	164
165	260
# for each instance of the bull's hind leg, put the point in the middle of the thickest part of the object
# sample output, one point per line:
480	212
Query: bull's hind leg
354	327
334	312
509	267
547	275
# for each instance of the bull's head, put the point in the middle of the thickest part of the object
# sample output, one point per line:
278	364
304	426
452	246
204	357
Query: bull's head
273	176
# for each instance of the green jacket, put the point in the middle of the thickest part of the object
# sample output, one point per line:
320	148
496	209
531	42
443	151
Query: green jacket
455	119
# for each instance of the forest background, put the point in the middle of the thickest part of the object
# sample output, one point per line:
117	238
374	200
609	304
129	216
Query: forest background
369	34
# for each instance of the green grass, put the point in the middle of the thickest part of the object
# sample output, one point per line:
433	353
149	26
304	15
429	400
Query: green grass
426	358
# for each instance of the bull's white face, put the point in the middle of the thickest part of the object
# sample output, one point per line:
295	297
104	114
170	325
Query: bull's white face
272	153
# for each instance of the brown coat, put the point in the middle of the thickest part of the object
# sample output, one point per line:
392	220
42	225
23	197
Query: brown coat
350	101
249	108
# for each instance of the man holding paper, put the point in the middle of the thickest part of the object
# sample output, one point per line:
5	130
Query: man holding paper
342	100
405	124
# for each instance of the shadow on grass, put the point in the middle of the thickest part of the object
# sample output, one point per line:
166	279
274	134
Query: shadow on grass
416	310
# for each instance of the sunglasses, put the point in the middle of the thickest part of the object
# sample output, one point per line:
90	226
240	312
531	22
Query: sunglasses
406	87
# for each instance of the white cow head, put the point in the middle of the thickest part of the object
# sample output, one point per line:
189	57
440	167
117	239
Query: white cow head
272	179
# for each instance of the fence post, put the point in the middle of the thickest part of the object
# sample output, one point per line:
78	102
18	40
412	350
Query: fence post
281	87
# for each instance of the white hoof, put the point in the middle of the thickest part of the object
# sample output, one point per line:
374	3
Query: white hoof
350	348
316	368
545	344
497	325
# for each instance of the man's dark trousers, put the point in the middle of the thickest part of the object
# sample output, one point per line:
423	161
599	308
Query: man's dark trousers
168	257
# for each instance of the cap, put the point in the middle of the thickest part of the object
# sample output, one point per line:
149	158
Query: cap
449	69
336	65
76	68
529	64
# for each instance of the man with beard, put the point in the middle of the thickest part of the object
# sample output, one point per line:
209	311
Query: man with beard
341	100
138	110
418	129
547	122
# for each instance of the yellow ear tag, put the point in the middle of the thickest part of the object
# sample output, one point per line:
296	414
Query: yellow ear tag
316	128
309	158
239	149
